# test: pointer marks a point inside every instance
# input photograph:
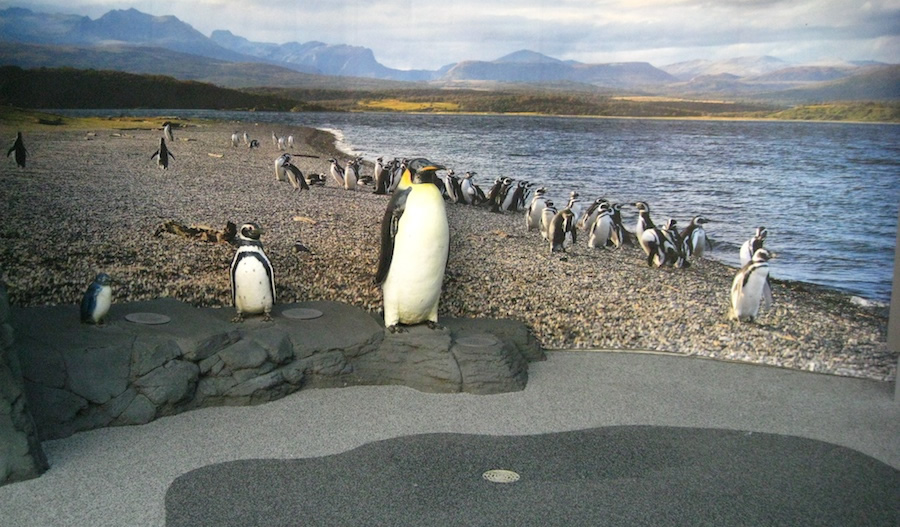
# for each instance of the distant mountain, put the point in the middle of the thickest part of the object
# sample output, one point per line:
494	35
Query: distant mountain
319	57
532	67
740	66
872	83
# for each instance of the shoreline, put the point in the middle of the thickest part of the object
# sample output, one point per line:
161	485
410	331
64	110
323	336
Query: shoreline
612	300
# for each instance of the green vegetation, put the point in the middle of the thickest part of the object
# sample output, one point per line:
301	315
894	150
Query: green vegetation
837	111
74	88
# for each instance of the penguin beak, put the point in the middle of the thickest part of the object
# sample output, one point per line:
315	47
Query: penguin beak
432	167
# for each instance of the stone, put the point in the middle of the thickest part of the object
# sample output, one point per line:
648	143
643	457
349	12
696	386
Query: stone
277	344
418	357
151	352
340	328
98	374
140	411
489	365
53	410
256	384
171	384
507	330
41	363
244	354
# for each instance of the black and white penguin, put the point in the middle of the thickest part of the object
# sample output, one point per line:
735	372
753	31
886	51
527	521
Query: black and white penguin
97	300
280	161
601	229
535	209
588	216
162	155
619	235
574	204
749	248
337	173
290	141
643	223
547	215
295	177
694	238
468	188
247	138
563	223
253	144
676	255
351	174
167	131
659	246
19	148
498	193
750	287
280	143
252	278
235	140
397	173
415	244
515	197
381	175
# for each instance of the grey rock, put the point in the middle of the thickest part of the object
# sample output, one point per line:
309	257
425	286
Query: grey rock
206	365
277	343
256	384
489	365
53	410
140	411
98	374
170	384
151	352
243	354
340	328
419	358
214	386
117	405
506	330
41	363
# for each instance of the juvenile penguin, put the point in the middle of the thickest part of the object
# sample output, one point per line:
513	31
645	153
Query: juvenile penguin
601	229
162	155
751	287
415	243
694	238
19	148
252	279
96	300
749	248
563	223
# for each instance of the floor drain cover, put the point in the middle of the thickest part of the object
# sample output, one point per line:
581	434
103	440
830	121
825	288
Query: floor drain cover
477	341
501	476
149	319
301	313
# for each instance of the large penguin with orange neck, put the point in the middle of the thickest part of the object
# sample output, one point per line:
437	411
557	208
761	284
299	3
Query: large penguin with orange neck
415	243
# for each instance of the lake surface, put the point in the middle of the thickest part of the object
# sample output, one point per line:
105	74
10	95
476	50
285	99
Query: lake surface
828	193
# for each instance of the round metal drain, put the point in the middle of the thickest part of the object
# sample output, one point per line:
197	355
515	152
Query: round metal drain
498	475
301	313
477	341
148	319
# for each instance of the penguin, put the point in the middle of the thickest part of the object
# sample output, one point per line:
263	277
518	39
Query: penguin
535	209
315	179
290	141
162	154
381	176
675	255
467	187
751	287
252	278
280	161
253	144
659	246
280	143
563	223
96	300
351	174
19	148
415	244
274	140
601	229
515	197
588	217
694	238
619	235
167	131
547	216
235	140
749	248
643	223
246	138
397	174
574	204
337	172
295	177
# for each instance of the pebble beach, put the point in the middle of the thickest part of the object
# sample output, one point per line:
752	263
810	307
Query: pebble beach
92	200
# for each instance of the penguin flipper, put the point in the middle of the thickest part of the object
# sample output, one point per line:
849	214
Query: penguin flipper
768	301
389	225
89	302
11	150
154	155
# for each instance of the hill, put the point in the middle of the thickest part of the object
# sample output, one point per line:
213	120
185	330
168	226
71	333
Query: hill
71	88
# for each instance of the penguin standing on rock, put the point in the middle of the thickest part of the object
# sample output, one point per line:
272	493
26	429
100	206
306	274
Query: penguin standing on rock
97	300
751	287
162	155
415	244
19	148
252	278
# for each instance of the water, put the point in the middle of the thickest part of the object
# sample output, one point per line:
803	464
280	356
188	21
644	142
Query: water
828	193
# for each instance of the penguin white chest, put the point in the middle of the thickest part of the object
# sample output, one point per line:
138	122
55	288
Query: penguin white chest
412	288
104	300
252	282
745	298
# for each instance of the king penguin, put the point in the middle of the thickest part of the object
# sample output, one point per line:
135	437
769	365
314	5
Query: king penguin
96	300
751	287
162	155
252	279
19	148
415	244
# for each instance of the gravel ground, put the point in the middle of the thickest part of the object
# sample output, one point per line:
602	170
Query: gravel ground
92	201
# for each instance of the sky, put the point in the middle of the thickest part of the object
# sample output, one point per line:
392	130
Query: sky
428	34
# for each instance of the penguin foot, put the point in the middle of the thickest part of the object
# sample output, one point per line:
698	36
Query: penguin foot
434	325
396	329
238	318
267	317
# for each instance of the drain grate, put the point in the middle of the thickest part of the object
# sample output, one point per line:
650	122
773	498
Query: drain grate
499	475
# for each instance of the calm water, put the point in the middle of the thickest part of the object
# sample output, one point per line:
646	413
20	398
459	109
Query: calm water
828	193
